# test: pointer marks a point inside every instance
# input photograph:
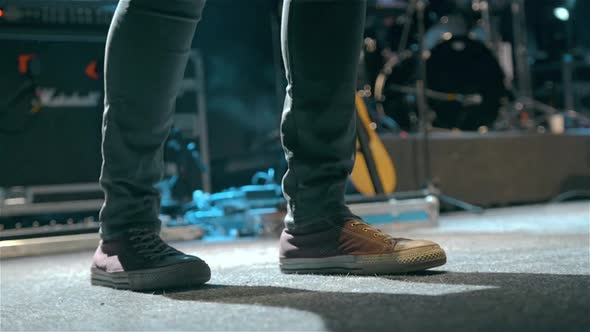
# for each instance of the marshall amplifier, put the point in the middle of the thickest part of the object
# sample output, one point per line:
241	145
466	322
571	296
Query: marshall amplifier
85	14
51	102
51	91
59	140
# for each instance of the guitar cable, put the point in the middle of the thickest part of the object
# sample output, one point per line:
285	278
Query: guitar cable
27	90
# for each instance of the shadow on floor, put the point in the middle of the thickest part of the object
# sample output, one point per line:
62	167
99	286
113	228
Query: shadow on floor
523	302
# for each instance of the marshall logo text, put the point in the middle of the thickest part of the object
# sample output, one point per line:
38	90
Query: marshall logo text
50	98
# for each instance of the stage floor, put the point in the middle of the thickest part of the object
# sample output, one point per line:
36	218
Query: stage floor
524	268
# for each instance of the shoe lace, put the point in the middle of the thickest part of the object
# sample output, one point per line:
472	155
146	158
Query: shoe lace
377	233
149	244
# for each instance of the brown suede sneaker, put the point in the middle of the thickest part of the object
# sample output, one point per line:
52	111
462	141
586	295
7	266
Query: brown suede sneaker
356	248
140	260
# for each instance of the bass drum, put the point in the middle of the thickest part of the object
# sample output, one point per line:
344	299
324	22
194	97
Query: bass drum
457	66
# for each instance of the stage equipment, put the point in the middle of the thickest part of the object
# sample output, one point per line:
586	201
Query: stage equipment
183	173
373	171
257	209
459	95
57	47
50	115
528	112
504	168
392	213
66	202
423	110
386	34
37	211
465	86
60	15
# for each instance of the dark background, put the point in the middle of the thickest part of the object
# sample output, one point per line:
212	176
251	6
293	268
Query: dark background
244	89
244	83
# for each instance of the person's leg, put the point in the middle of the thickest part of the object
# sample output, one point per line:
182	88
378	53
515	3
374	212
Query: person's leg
146	54
321	43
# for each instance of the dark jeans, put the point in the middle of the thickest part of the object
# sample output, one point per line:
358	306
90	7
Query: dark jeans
146	54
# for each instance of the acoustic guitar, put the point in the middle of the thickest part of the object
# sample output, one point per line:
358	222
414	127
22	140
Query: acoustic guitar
373	171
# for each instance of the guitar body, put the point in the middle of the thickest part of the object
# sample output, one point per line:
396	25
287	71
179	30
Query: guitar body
384	171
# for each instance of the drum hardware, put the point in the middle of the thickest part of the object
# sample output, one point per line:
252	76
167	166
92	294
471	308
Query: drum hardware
464	99
421	91
568	70
568	81
466	102
406	30
454	37
455	48
425	125
483	7
524	93
524	104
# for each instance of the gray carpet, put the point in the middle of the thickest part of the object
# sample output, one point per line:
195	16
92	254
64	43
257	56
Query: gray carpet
517	269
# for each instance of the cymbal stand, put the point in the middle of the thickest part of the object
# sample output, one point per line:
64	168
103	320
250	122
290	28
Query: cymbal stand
483	7
424	114
524	102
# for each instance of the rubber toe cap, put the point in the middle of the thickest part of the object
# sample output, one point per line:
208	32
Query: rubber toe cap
406	244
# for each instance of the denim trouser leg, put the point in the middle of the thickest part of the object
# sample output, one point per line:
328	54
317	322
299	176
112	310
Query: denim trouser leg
146	54
321	43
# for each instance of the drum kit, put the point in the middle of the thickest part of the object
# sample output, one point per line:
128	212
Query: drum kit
441	64
444	64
